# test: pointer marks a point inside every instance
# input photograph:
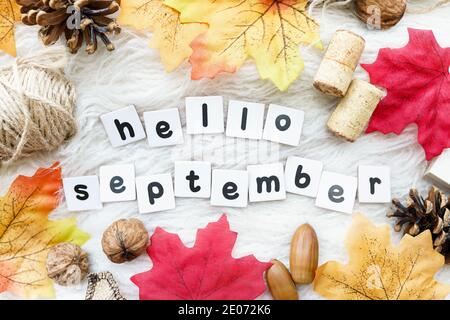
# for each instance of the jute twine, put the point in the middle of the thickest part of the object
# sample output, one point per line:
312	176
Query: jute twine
36	105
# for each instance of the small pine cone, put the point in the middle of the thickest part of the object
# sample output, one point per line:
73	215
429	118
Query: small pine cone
80	21
419	214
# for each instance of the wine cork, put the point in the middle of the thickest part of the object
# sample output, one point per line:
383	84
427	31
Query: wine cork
341	58
352	114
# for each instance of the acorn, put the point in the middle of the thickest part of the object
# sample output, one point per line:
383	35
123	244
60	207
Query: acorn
280	282
304	254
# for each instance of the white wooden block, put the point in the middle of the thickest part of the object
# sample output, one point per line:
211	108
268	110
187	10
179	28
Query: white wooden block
303	176
229	188
439	170
374	184
192	179
283	125
123	126
82	193
266	182
117	183
337	192
245	119
163	127
204	115
155	193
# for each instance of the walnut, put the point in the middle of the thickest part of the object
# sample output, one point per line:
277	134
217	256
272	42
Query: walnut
379	14
125	240
67	264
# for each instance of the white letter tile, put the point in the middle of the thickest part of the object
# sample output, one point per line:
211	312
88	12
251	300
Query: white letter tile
229	188
374	184
337	192
123	126
439	170
163	127
204	115
303	176
192	179
283	125
155	193
245	120
266	182
117	183
82	193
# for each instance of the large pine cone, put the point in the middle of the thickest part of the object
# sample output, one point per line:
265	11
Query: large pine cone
419	214
80	20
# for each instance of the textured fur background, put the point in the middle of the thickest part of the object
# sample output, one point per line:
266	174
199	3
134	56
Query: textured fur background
133	74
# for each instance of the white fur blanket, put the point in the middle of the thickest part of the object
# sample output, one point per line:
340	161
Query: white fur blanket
133	74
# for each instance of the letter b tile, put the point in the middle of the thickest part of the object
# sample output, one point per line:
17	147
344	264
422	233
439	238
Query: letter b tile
303	176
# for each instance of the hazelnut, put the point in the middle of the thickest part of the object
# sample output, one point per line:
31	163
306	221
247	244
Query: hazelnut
67	264
125	240
380	14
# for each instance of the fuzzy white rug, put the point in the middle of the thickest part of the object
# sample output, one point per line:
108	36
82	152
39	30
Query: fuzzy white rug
133	74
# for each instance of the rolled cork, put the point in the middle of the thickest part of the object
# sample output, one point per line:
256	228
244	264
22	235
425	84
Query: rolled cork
352	114
341	58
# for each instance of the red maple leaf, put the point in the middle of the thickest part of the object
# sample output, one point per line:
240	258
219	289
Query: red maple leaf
207	271
417	81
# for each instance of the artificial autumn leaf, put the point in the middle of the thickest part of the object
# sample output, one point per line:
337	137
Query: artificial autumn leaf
9	15
26	234
268	31
378	270
207	271
170	37
417	80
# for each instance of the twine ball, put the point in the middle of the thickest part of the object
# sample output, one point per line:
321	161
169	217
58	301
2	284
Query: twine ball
36	105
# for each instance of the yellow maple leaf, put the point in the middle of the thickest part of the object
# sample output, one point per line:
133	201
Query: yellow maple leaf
170	37
378	270
269	31
9	15
26	234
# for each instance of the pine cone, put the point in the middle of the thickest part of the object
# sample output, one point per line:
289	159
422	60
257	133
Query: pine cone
419	214
79	20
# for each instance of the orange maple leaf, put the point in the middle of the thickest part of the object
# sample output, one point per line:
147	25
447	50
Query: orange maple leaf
379	270
9	15
170	37
268	31
26	234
